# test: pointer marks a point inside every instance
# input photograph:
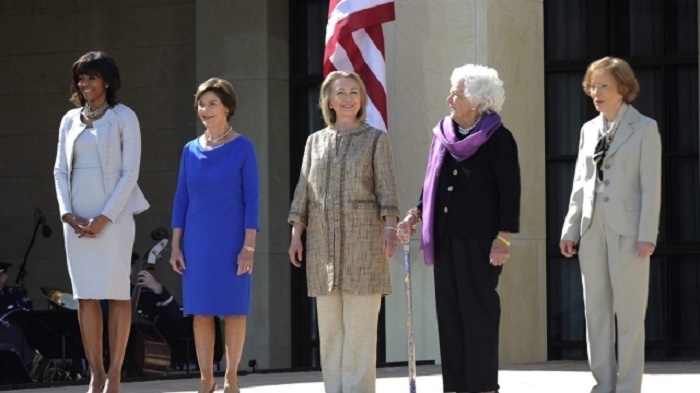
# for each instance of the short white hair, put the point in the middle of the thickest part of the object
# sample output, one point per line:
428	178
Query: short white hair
481	85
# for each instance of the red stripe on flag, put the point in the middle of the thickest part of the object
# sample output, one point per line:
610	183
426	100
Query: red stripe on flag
331	6
351	55
355	21
375	89
377	36
365	18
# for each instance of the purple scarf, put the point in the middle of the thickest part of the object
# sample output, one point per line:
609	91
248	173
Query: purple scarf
445	140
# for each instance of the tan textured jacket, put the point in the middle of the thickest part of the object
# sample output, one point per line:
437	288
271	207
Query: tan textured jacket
346	186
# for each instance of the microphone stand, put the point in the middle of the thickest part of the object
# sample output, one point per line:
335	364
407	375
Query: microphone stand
23	267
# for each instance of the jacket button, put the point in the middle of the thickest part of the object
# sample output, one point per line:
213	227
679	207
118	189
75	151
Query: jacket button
454	172
450	188
607	166
607	182
445	209
606	199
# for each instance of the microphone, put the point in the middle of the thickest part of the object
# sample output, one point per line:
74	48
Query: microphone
45	228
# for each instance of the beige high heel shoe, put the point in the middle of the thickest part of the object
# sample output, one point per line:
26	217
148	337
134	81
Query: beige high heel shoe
232	389
213	388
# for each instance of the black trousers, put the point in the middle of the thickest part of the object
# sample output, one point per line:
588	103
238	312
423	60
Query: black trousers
469	313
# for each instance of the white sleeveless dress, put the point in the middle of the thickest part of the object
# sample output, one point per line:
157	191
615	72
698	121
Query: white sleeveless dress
99	267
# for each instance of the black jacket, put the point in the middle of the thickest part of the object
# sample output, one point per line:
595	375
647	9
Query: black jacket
13	298
152	305
481	195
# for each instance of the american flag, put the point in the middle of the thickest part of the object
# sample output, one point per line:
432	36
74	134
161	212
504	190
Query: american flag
355	42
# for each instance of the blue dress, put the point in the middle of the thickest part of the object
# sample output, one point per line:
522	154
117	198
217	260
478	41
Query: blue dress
215	202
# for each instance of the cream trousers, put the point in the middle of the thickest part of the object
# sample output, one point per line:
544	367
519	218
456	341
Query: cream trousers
347	326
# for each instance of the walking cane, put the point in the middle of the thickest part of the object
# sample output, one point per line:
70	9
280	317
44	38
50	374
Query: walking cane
409	317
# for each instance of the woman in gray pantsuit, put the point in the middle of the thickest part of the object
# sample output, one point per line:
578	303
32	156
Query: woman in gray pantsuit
614	216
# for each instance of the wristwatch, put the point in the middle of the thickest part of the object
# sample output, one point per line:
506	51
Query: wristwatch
249	248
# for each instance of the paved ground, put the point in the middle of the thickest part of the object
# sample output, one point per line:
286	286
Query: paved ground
550	377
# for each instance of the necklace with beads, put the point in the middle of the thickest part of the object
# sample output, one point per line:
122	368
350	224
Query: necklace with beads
91	114
208	138
465	131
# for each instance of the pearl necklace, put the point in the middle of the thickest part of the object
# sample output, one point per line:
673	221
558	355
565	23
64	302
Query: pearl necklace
208	138
465	131
91	114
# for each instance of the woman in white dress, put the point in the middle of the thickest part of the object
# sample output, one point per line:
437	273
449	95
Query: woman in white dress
97	165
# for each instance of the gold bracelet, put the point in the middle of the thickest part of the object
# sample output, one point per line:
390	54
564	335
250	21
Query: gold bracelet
249	248
503	239
415	213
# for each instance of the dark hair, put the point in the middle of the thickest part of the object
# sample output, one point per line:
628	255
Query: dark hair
96	63
223	89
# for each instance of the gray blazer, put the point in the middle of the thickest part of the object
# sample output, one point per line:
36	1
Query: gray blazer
119	145
632	176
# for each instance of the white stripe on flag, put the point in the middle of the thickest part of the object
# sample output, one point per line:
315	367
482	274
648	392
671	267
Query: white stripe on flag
368	57
374	118
345	7
371	54
340	59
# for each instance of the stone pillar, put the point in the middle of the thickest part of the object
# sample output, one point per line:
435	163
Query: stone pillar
515	47
508	36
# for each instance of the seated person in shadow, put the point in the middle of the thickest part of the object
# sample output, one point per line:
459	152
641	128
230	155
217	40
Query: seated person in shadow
155	301
157	304
11	297
13	301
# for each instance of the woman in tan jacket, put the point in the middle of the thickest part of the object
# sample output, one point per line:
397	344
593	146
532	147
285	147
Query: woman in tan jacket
346	199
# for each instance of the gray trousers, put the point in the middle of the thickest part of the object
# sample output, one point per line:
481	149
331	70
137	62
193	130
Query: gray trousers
615	284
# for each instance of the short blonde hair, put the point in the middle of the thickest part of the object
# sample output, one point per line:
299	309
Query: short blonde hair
223	89
324	99
482	86
627	83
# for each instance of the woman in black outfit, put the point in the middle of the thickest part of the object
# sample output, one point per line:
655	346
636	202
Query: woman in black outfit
470	205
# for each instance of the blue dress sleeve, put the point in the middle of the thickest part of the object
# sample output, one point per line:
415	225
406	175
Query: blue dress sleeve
251	188
182	198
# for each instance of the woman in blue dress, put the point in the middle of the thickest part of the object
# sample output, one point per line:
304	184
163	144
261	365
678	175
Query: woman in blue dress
215	222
